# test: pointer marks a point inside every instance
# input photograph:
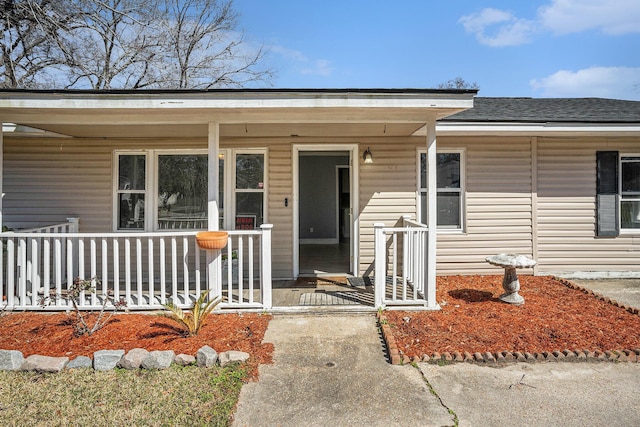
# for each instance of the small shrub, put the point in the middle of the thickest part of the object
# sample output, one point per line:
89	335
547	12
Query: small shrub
192	321
82	325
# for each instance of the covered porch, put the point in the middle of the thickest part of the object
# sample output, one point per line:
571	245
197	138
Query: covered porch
156	260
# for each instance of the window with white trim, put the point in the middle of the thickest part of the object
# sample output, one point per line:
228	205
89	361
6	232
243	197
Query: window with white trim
171	188
450	189
630	192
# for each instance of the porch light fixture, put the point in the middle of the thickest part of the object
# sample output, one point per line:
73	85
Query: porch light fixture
366	156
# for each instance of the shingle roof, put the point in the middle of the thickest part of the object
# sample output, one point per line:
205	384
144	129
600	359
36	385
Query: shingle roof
537	110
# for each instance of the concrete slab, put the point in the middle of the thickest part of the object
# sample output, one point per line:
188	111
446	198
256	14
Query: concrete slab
625	291
541	394
331	370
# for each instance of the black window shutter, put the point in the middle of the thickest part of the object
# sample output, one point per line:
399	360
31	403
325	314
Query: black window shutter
607	224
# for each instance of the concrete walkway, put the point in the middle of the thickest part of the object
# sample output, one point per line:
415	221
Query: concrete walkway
331	371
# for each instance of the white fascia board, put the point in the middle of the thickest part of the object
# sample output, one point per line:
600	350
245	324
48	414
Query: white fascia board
534	129
236	100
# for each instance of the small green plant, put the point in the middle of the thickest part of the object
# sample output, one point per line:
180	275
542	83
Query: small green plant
192	321
74	293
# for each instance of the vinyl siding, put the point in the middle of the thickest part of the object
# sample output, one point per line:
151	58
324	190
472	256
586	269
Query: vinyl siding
567	209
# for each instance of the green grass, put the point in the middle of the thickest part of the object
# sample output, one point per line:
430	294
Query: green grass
178	396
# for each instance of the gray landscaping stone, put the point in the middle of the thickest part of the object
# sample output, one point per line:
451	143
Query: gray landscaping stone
185	360
232	356
105	360
11	360
80	362
158	359
40	363
206	357
133	359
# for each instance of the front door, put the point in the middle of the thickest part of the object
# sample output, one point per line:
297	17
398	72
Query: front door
324	201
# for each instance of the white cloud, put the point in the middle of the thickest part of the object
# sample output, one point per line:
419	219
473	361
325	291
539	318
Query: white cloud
304	65
614	17
497	28
602	82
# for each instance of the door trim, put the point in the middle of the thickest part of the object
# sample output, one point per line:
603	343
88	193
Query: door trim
352	149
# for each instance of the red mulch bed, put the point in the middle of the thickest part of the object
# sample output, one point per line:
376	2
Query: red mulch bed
52	335
553	317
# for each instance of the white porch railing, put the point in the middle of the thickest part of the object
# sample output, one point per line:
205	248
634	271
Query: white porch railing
146	269
401	273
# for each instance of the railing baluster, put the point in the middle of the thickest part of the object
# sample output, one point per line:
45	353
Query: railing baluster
46	267
174	271
105	266
81	268
22	271
127	270
11	284
185	269
57	263
394	275
94	268
198	273
34	276
163	272
139	271
230	270
116	269
152	286
240	269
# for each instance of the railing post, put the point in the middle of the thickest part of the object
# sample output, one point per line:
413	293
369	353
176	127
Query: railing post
380	264
74	224
265	266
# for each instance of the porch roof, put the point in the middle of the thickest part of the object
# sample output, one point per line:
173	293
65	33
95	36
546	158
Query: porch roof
240	112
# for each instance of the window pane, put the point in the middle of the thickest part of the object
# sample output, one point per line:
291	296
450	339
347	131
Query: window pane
182	191
630	214
423	209
131	172
449	210
250	171
631	177
131	211
249	212
423	170
448	170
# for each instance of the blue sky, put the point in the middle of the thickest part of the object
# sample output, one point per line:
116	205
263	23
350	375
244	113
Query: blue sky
538	48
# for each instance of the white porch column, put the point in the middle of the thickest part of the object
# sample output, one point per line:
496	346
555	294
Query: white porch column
432	212
213	184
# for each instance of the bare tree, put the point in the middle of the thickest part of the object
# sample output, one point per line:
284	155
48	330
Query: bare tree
112	44
30	35
458	83
129	44
204	49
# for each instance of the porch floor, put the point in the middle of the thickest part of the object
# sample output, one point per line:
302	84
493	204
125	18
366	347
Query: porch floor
323	291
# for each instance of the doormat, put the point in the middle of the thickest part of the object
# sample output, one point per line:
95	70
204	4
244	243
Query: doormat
336	298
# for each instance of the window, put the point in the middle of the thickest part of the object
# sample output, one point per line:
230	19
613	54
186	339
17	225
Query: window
630	192
171	188
449	187
617	193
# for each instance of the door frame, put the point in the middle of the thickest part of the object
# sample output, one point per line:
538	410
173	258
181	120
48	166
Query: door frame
354	237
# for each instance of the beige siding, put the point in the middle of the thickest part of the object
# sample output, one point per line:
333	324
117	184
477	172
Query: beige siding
498	216
567	209
387	190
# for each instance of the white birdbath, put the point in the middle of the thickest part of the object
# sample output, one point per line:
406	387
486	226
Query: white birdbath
510	283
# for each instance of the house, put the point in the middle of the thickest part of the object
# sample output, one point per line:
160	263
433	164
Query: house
309	182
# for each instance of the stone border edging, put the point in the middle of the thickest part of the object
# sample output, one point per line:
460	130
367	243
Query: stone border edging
488	358
105	360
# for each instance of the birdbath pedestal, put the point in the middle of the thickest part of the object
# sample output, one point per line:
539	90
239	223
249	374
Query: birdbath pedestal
510	282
